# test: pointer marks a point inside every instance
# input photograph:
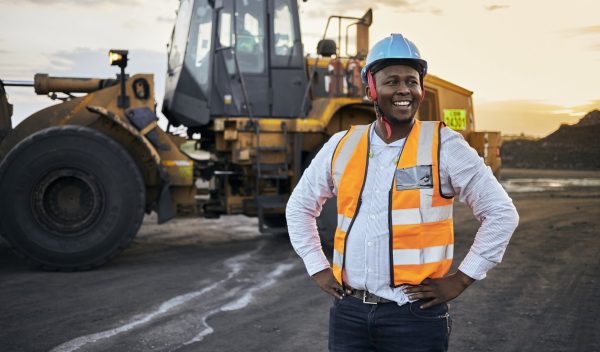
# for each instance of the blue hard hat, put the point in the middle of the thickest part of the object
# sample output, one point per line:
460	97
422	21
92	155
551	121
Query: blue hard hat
391	48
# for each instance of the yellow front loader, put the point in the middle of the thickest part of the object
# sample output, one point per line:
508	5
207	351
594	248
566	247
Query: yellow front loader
76	178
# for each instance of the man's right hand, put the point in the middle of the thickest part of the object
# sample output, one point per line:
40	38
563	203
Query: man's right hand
328	283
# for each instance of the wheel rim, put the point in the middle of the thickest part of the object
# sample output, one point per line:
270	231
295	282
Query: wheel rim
68	202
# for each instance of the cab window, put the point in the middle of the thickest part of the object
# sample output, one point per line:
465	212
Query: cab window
180	34
250	36
199	45
285	49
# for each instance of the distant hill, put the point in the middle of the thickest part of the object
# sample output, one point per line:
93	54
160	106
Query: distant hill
570	147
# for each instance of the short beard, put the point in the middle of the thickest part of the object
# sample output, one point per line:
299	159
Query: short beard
392	122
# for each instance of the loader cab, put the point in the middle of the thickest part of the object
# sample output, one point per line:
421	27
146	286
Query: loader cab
234	58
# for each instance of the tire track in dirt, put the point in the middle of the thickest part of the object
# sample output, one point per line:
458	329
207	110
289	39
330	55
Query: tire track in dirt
182	320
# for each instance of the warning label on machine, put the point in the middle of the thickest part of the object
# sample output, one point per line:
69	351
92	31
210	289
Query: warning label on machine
456	119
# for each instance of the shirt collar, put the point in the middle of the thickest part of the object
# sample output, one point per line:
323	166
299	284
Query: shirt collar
377	141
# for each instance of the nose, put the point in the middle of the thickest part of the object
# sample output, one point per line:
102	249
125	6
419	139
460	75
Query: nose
402	89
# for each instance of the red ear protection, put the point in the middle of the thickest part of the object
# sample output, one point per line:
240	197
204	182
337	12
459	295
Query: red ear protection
371	83
378	112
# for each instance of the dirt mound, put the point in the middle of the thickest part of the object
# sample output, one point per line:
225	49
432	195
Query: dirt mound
570	147
591	118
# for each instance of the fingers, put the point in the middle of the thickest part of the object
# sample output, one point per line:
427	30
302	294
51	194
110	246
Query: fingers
431	303
417	289
328	283
421	295
335	290
426	290
332	287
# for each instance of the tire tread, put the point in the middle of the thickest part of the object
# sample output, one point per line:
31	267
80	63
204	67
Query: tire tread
125	241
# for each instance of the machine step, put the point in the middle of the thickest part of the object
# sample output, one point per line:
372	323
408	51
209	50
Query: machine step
271	201
269	167
271	149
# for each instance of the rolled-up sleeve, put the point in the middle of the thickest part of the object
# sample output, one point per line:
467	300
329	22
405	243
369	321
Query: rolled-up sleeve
305	204
465	174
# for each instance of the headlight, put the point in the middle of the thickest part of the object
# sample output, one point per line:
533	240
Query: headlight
118	58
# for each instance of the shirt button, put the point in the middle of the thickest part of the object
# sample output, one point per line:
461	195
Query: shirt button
372	216
369	243
370	270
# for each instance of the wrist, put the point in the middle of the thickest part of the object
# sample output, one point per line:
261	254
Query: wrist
464	279
321	272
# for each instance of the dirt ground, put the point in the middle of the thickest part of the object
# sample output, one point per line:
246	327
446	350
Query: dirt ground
543	296
219	285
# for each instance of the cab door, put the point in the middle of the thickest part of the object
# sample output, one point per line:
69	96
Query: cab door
241	57
288	74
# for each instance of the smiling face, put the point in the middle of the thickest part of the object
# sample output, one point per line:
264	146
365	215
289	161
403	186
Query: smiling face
398	92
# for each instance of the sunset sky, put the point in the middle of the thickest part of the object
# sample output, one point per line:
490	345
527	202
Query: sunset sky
532	64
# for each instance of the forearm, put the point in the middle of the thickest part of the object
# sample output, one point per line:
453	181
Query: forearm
473	183
499	219
304	235
464	279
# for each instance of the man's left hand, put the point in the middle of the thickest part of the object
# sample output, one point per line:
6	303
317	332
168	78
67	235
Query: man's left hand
439	290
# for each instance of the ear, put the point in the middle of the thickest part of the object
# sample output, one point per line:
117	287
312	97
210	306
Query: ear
371	90
368	93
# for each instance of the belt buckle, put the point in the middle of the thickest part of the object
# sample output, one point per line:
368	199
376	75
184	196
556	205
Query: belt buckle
365	295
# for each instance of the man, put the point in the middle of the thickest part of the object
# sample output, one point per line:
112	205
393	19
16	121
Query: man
395	180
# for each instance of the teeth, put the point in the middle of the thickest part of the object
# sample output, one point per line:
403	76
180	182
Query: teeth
402	103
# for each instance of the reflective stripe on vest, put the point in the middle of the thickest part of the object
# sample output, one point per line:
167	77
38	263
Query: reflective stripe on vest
420	217
352	149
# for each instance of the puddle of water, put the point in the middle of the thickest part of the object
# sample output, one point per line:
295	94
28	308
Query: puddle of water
517	185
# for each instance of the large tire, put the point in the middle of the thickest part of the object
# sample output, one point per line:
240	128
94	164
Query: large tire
71	198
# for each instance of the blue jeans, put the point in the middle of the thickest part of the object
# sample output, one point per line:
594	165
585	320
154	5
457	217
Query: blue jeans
358	327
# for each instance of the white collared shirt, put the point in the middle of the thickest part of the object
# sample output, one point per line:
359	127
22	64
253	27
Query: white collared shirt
367	267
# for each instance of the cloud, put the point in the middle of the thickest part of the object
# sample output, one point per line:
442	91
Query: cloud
87	61
75	2
496	7
83	62
587	31
585	108
404	6
534	118
18	70
165	19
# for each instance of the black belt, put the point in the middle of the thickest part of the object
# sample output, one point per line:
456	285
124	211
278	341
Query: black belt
366	296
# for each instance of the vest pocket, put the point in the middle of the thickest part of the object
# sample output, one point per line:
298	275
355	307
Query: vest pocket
416	177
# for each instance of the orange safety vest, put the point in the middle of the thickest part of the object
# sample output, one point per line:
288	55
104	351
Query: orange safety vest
419	217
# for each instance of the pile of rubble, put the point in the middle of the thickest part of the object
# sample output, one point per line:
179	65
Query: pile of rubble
570	147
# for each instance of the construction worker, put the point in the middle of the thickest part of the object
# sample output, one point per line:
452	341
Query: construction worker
395	181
